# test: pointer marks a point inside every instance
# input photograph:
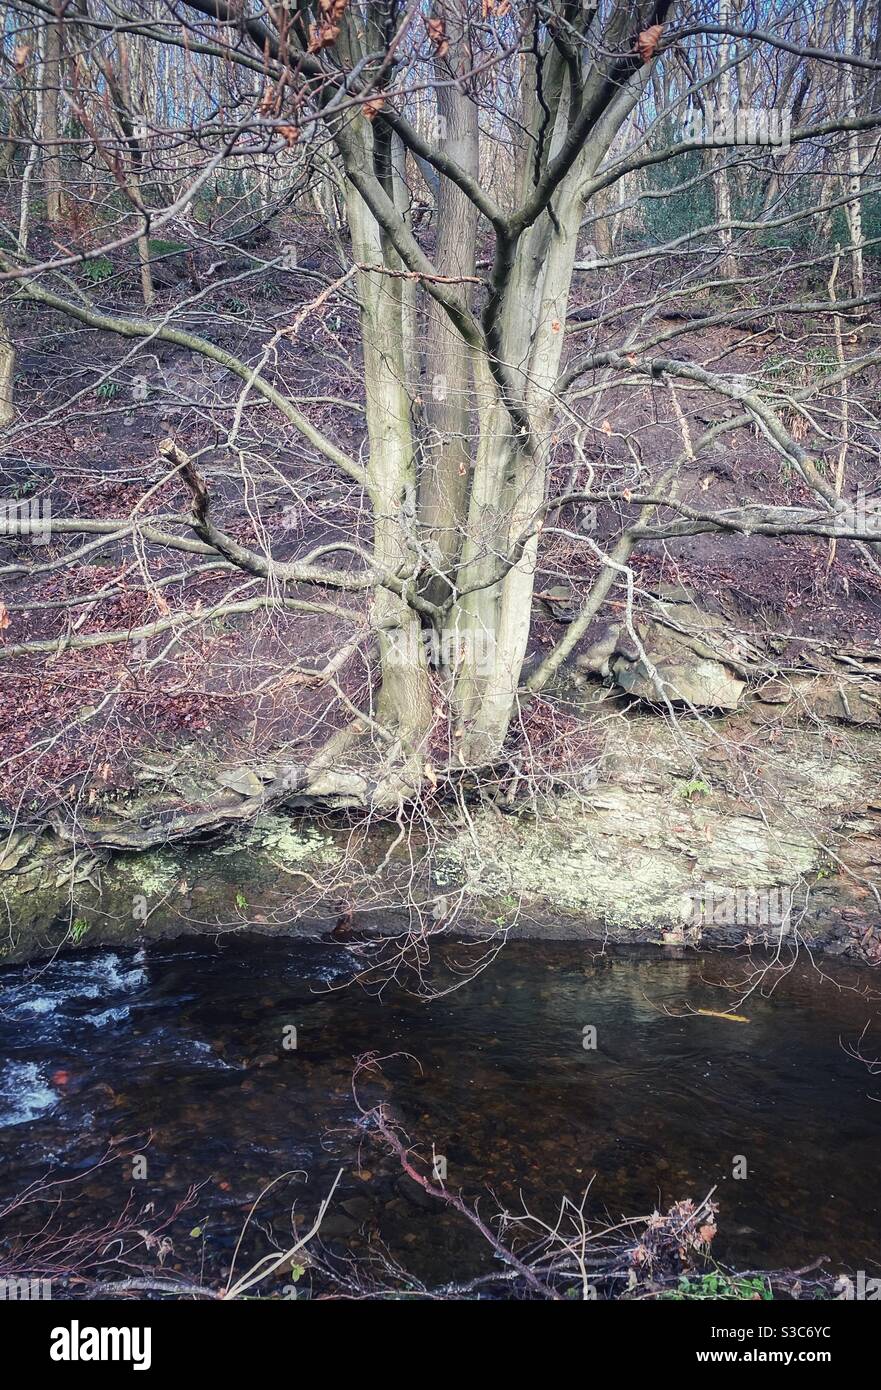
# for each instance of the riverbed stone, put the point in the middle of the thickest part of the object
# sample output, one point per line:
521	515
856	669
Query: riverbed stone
842	699
696	681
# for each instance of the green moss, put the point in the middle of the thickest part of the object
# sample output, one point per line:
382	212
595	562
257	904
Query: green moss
153	874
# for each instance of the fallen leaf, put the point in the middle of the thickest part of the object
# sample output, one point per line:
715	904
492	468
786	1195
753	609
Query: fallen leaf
714	1013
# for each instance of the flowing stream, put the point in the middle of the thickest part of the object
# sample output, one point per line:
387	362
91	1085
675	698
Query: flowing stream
185	1052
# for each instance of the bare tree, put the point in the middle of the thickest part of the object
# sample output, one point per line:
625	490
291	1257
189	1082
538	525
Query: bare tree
486	391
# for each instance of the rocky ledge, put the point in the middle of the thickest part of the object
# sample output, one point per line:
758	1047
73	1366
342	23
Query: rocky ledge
758	826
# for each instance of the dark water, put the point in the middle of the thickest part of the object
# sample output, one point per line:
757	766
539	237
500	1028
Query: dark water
185	1046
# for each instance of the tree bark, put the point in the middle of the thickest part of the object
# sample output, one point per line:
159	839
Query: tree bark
403	702
52	173
445	469
7	376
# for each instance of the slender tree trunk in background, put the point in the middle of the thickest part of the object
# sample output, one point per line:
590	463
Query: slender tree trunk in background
24	206
146	274
845	403
854	210
52	174
9	147
131	63
830	85
263	181
7	376
120	85
783	163
721	180
602	231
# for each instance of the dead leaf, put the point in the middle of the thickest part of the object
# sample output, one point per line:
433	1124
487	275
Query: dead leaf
372	108
437	35
323	37
715	1013
647	42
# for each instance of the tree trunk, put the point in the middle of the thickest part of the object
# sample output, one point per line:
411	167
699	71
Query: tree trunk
7	376
446	446
24	206
52	176
510	476
721	182
404	701
854	209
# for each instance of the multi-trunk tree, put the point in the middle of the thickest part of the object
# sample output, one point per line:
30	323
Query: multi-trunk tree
476	384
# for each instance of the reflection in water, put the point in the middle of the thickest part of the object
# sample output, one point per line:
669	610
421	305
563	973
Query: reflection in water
187	1044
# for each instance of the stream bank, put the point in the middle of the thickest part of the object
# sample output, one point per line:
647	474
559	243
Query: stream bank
775	838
